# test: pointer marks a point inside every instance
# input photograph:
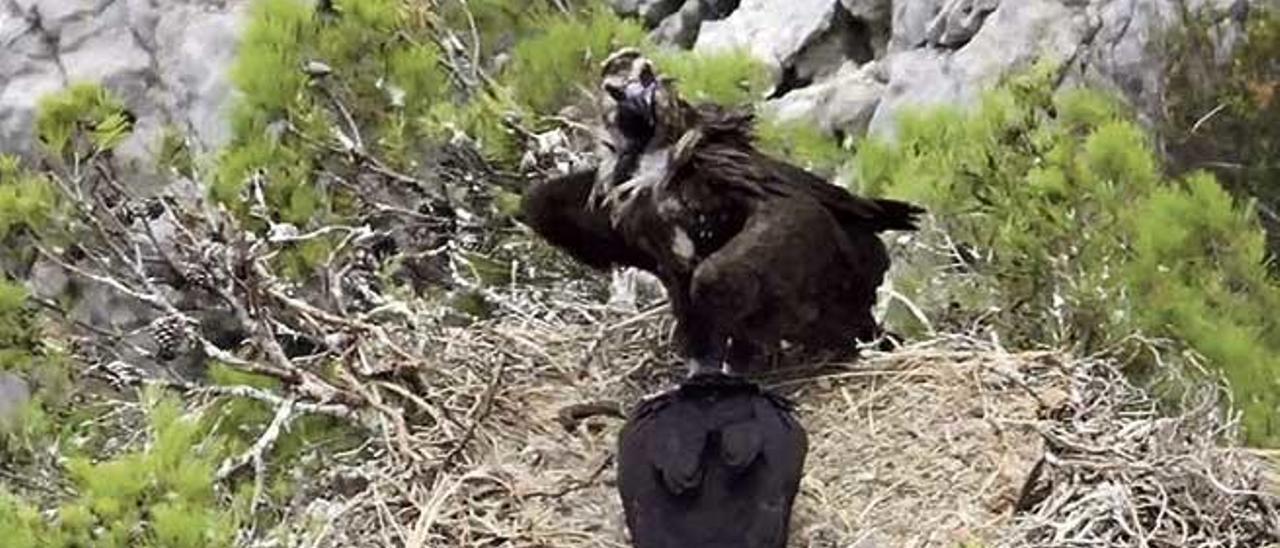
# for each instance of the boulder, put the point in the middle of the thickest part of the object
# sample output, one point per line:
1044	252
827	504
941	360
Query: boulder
869	10
842	103
681	28
168	63
911	20
774	32
958	21
1012	37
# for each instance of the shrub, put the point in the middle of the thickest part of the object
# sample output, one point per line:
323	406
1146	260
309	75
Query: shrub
160	496
551	69
26	199
731	77
1076	237
84	110
1223	114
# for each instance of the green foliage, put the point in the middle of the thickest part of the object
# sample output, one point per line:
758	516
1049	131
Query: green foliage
497	23
1223	115
799	142
165	489
21	524
553	68
480	119
161	496
267	68
27	199
80	121
385	72
172	153
19	333
729	78
1079	237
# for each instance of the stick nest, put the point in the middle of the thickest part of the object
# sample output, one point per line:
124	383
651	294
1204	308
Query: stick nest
944	442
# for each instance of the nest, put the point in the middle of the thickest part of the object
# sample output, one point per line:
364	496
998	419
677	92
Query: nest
939	443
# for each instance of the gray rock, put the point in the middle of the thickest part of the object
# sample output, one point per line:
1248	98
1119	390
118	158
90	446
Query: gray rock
911	20
774	32
626	7
167	61
846	38
654	11
844	102
869	10
194	52
958	21
1012	37
1124	54
876	16
681	28
14	396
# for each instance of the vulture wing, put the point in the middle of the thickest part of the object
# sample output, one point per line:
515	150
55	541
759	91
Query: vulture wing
727	149
850	210
557	210
715	463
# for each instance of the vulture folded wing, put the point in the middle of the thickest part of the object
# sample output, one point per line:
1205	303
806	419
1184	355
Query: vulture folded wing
875	214
677	454
749	456
740	444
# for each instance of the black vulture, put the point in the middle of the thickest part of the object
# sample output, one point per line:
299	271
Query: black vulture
752	250
714	463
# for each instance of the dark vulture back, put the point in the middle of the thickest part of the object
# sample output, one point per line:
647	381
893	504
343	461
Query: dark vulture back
715	463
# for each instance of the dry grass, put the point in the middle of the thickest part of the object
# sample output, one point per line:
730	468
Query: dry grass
930	445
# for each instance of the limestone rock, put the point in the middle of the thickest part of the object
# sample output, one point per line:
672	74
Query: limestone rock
626	7
681	28
774	32
1013	36
842	103
651	11
167	61
869	10
14	395
654	11
911	20
958	21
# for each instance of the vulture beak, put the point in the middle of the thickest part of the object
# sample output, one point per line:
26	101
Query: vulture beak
631	82
636	116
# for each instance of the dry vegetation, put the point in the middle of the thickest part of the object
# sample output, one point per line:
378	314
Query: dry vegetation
474	381
936	444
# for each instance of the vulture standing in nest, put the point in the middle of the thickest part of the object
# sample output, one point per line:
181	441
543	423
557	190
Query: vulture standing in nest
751	250
715	463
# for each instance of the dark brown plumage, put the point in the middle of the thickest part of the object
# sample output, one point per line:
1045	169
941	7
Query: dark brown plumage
715	463
752	250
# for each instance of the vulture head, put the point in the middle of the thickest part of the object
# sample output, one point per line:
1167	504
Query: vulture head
643	107
644	116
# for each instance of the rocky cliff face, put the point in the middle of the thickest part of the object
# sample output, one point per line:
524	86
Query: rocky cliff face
167	59
851	65
847	65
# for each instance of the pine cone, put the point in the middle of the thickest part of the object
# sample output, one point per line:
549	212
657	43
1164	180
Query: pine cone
171	335
195	275
144	210
360	284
